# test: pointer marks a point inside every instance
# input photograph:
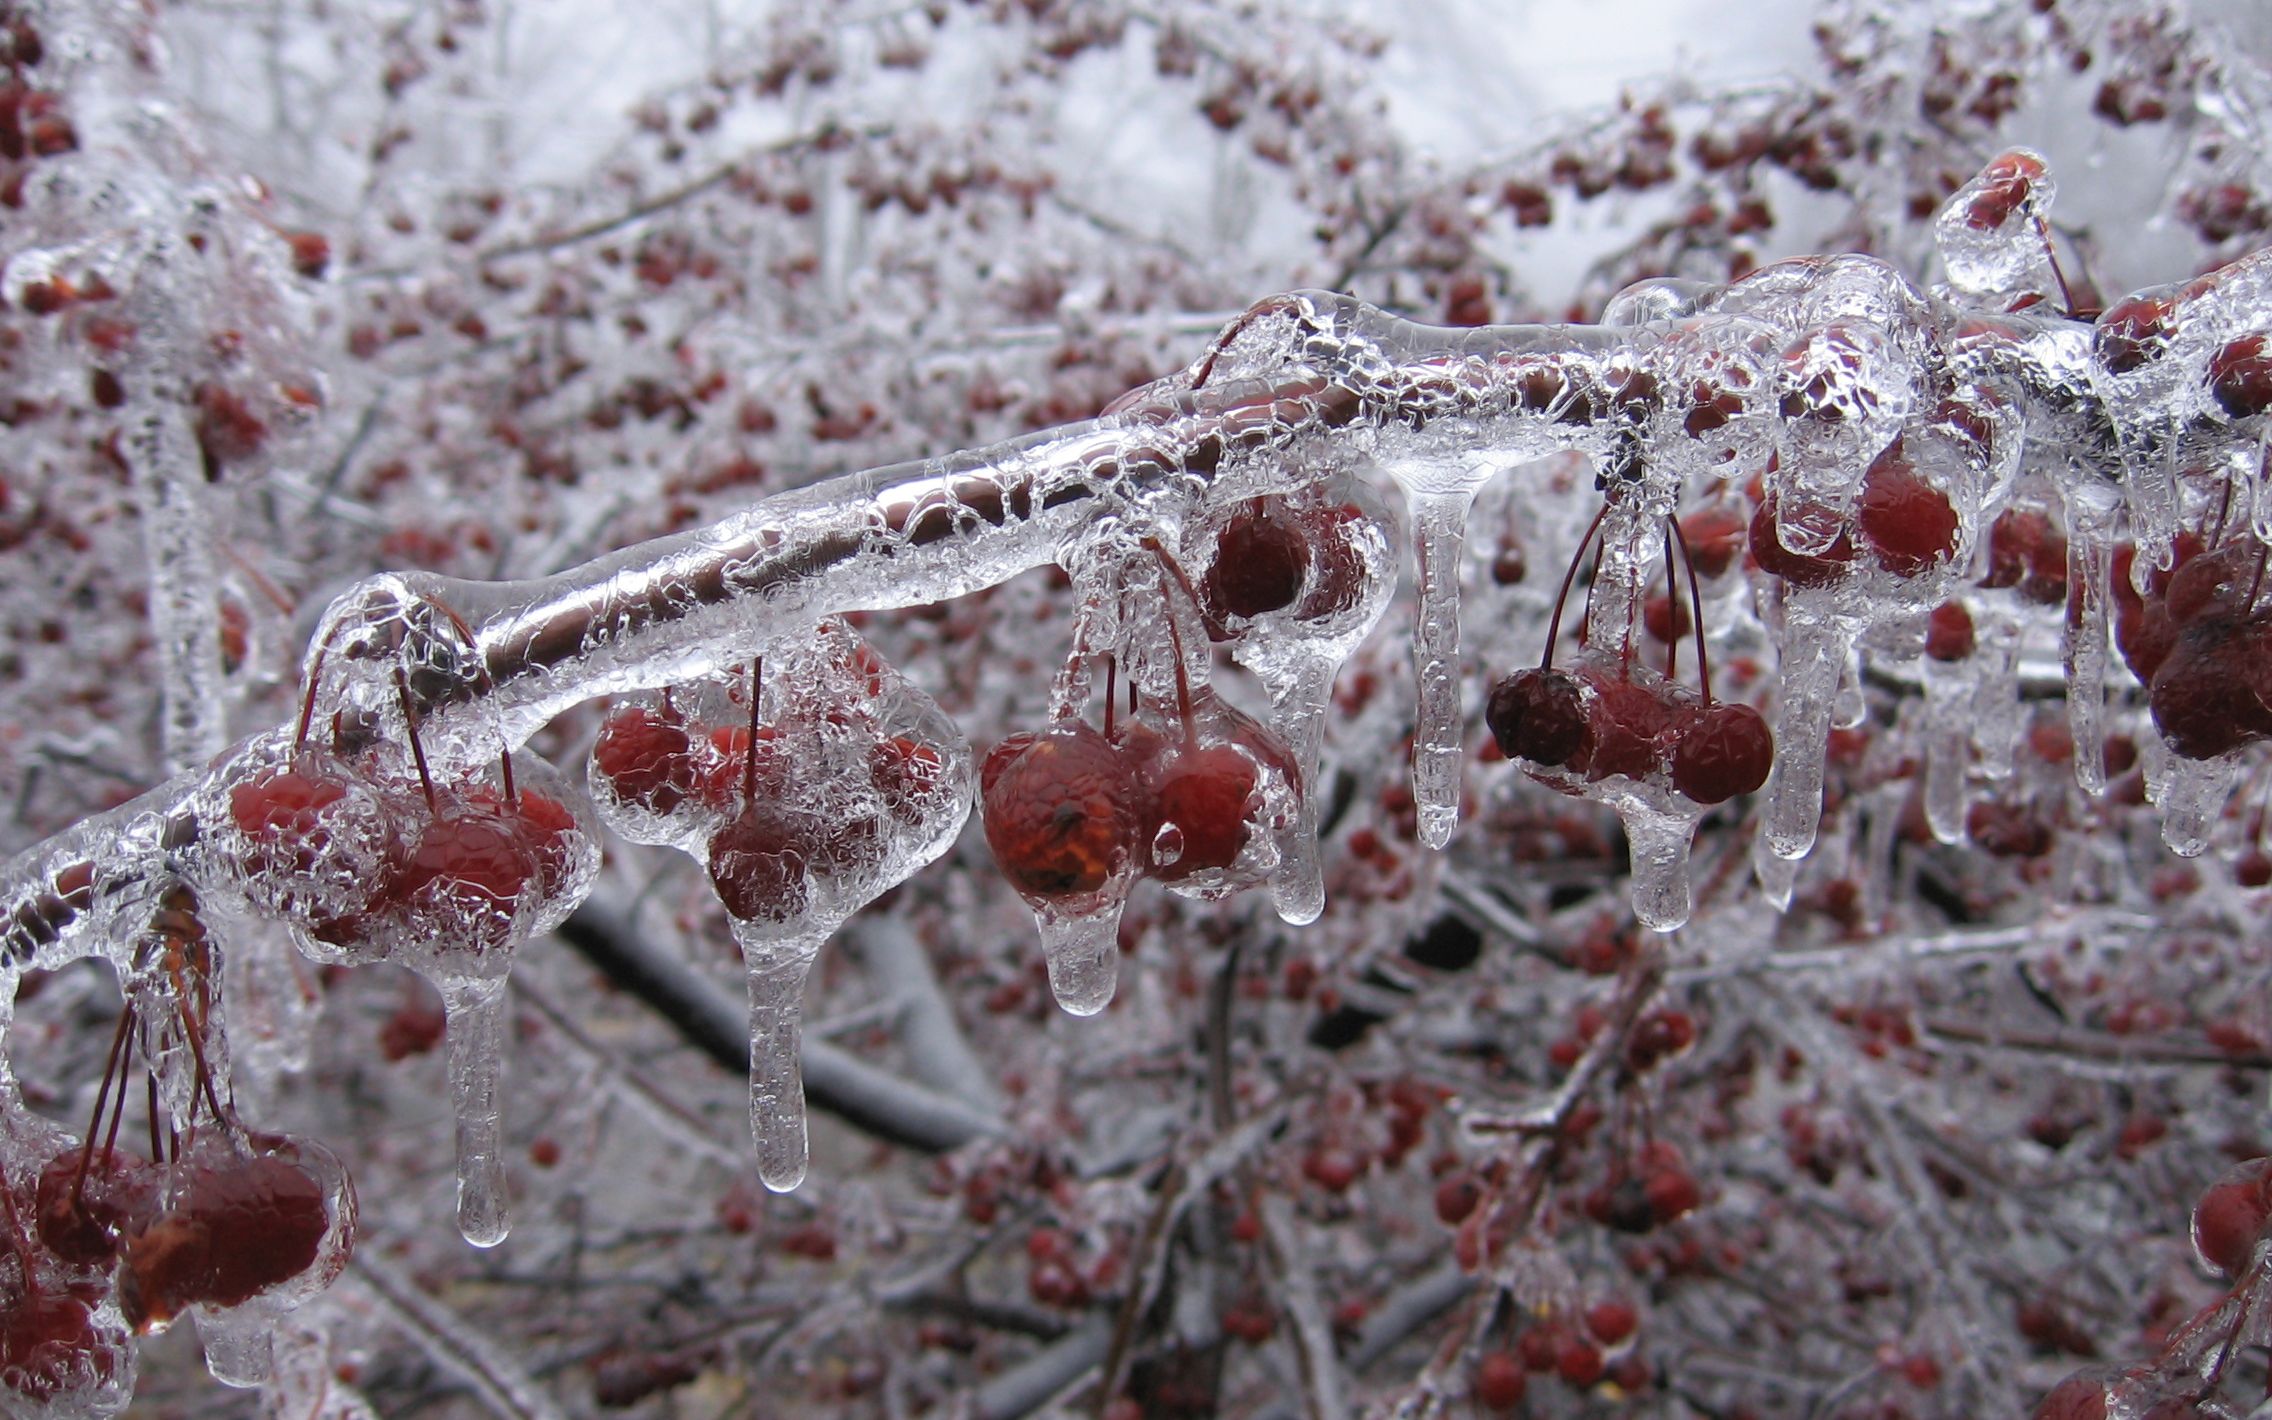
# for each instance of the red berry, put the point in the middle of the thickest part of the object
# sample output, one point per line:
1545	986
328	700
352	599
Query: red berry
1672	1194
1799	569
1665	618
2003	187
470	855
646	759
1628	723
1538	715
910	775
1727	750
51	1347
2024	551
1715	538
2075	1398
1061	810
1201	802
2206	696
1457	1196
235	1226
2133	332
281	811
1612	1322
311	253
1909	524
758	864
1260	563
83	1218
1948	633
1578	1361
1499	1381
2231	1217
2240	377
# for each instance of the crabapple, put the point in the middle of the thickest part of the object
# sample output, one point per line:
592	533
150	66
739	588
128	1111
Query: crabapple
1061	810
1726	750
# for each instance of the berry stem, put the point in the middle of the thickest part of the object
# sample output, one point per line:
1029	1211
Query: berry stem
1175	642
749	756
417	750
111	1067
1562	597
2058	273
505	772
1111	691
1672	605
1695	608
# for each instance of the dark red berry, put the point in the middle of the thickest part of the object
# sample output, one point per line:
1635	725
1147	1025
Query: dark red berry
2232	1216
1727	750
1538	715
1061	810
1715	538
646	759
2004	186
1799	569
2133	333
87	1203
2240	377
758	864
50	1345
236	1226
1948	632
1260	563
1201	802
1499	1381
2079	1397
1908	523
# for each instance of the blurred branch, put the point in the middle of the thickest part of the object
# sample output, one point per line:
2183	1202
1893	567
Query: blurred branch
715	1023
449	1339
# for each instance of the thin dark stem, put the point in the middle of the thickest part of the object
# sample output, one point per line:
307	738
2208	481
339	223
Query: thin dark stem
749	758
1569	579
417	750
2058	273
102	1098
1695	608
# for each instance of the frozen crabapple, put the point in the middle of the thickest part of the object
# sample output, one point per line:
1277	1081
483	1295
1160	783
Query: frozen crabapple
1260	564
1726	750
1539	715
1062	810
2232	1218
1205	793
59	1354
644	759
272	1217
483	868
304	836
87	1200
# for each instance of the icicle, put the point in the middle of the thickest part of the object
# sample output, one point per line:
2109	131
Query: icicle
1439	521
1777	875
476	1016
2083	646
1945	755
1996	714
1083	953
1815	637
237	1343
1659	839
777	970
1300	693
2192	798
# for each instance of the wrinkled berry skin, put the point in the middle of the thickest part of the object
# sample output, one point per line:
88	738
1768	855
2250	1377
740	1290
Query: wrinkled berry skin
1538	715
1061	811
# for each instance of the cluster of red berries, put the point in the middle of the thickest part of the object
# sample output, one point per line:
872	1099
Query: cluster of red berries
101	1240
798	814
1614	718
2200	637
445	873
1580	1350
1073	813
